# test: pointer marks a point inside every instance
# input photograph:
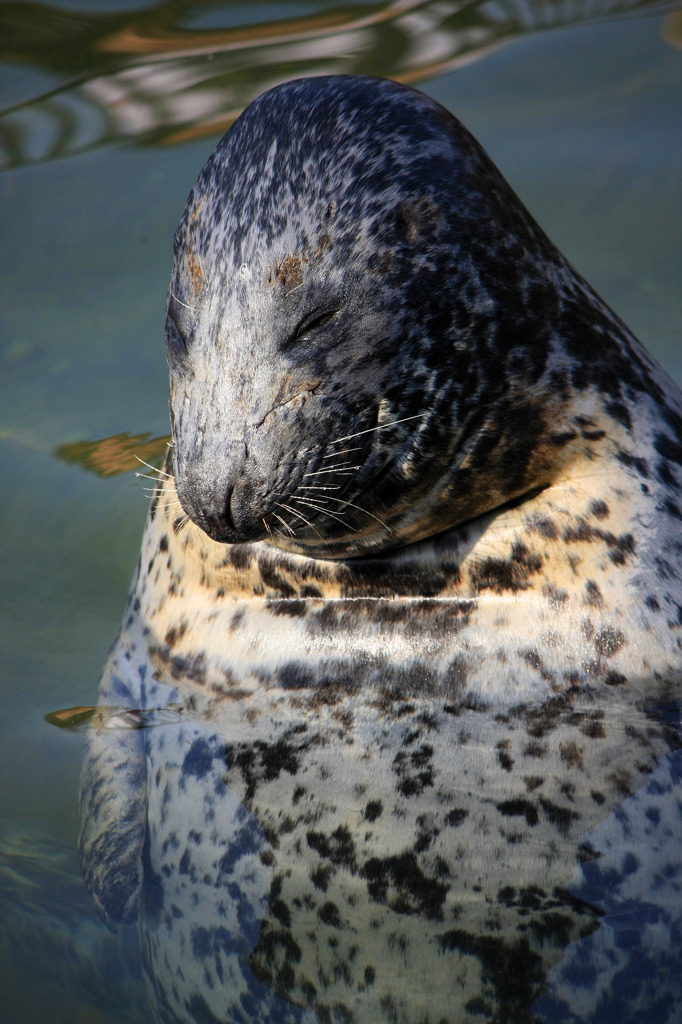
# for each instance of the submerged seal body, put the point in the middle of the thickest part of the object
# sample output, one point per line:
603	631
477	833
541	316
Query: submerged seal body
407	615
410	438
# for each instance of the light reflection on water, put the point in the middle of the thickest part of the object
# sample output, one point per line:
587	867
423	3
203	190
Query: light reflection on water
85	268
164	79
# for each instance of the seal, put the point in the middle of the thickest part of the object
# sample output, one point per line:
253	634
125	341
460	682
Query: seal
405	627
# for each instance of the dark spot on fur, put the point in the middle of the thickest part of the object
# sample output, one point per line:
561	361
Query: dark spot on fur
479	1006
414	770
668	448
294	609
273	957
455	816
621	413
329	914
513	970
373	809
558	440
609	641
571	754
295	676
519	808
274	581
543	525
556	599
338	847
561	817
280	910
598	508
400	882
198	759
320	876
665	474
503	756
631	461
236	620
240	556
533	659
261	761
499	574
672	508
593	596
173	634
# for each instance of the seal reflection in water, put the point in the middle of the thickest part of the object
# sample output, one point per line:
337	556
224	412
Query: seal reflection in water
410	584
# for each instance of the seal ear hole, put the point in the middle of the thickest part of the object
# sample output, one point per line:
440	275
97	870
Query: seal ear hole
406	225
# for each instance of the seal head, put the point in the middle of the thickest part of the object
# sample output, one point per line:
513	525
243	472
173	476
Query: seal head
370	341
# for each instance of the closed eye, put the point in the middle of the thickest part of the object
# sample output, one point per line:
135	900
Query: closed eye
312	322
176	344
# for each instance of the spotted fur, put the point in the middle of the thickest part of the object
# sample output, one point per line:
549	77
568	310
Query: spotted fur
400	705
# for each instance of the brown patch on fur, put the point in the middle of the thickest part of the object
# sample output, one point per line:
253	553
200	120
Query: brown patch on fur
289	272
195	274
173	635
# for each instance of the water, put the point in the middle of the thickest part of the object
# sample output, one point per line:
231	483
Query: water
583	119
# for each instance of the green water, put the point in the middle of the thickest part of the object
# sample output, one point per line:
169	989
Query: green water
585	121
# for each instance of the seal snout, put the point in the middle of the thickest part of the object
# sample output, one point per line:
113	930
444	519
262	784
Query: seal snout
229	508
236	516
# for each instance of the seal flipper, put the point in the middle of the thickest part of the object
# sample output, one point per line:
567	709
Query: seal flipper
113	815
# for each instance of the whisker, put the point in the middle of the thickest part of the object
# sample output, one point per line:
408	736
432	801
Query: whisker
381	426
303	451
146	476
180	523
299	516
284	524
327	512
342	501
319	487
321	501
161	472
345	451
267	527
312	504
290	497
181	303
343	469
